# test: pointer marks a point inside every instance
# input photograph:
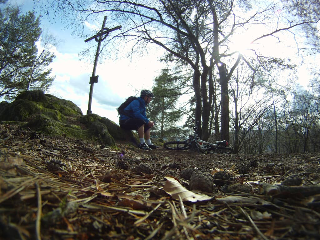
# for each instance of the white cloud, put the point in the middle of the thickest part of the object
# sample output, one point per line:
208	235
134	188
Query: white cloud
91	26
70	65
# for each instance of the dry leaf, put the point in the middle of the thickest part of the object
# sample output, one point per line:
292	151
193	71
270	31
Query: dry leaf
106	194
310	200
215	170
270	231
10	161
175	189
256	215
134	204
98	186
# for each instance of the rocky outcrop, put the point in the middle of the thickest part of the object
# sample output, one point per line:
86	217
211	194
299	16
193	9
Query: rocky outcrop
50	115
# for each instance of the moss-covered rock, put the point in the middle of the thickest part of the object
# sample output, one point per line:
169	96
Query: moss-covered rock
104	127
35	96
50	115
44	124
31	103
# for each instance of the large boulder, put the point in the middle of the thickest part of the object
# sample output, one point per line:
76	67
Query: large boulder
50	115
29	104
105	130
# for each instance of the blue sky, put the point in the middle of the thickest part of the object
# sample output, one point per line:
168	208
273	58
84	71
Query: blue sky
118	78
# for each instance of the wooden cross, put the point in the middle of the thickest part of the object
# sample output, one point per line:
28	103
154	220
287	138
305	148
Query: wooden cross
99	37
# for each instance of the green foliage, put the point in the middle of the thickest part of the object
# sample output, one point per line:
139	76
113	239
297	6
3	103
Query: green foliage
22	67
163	107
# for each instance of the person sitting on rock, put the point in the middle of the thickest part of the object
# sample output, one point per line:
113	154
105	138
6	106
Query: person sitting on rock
135	118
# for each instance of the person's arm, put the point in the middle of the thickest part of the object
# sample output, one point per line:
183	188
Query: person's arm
135	106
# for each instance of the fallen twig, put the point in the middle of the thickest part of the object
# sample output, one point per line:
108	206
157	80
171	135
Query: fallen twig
275	190
16	190
38	221
253	224
148	215
154	232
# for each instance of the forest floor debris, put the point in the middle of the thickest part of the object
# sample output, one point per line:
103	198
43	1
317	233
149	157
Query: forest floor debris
61	188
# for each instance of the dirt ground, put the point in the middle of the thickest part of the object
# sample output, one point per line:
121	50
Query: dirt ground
60	188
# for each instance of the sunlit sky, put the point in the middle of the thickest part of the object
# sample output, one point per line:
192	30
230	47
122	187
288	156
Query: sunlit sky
118	79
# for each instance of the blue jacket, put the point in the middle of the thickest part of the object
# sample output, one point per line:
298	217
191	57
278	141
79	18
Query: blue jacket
136	109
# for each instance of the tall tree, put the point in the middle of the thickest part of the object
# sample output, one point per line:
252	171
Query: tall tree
304	115
21	66
256	94
201	34
164	108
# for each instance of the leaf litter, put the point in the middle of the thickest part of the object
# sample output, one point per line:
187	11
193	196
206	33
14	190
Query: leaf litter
60	188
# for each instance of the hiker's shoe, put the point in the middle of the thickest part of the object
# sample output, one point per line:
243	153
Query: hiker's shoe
152	146
144	146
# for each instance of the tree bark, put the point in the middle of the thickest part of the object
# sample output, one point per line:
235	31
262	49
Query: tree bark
197	92
276	125
236	125
162	119
224	102
211	97
205	104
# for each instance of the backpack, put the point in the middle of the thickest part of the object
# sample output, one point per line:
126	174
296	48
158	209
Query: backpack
125	104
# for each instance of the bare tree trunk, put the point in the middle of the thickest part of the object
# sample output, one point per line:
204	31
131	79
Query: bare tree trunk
162	119
306	136
216	116
197	92
205	104
236	125
211	98
260	140
223	76
276	125
236	114
224	102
